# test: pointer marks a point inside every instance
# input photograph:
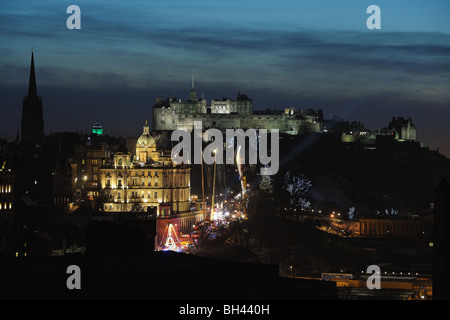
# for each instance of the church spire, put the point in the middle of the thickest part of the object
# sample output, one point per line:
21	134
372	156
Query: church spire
32	115
32	90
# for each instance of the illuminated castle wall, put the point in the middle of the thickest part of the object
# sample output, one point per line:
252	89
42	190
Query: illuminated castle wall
171	114
402	129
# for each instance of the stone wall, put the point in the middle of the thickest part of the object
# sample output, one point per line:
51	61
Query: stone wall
164	119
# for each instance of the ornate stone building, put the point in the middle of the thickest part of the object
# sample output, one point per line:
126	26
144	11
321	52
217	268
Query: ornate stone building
147	180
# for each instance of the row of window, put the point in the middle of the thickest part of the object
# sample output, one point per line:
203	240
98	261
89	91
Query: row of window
92	161
141	194
373	228
94	170
135	173
135	195
61	200
5	189
135	182
5	206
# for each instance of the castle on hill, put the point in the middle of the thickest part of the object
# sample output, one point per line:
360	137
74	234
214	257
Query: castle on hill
173	113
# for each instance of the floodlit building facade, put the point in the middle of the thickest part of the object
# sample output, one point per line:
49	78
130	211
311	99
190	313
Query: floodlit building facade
222	114
147	180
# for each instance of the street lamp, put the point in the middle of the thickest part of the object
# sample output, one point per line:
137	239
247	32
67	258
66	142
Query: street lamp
214	185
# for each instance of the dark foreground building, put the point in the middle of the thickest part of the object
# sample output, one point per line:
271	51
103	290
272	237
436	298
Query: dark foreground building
116	266
160	275
441	244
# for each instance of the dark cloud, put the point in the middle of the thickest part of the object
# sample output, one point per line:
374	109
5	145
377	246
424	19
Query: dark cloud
114	68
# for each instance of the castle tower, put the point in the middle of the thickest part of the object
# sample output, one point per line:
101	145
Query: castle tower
193	93
32	118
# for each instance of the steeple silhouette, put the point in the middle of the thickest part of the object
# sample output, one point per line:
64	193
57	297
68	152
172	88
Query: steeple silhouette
32	118
32	90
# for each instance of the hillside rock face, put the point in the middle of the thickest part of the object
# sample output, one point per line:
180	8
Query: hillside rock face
399	175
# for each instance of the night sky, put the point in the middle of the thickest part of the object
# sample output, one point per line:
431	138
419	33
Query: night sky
303	54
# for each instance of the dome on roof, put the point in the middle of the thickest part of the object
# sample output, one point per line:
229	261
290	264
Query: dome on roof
145	140
97	128
97	125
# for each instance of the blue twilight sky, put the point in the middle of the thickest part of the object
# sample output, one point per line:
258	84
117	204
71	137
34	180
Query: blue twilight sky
304	54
